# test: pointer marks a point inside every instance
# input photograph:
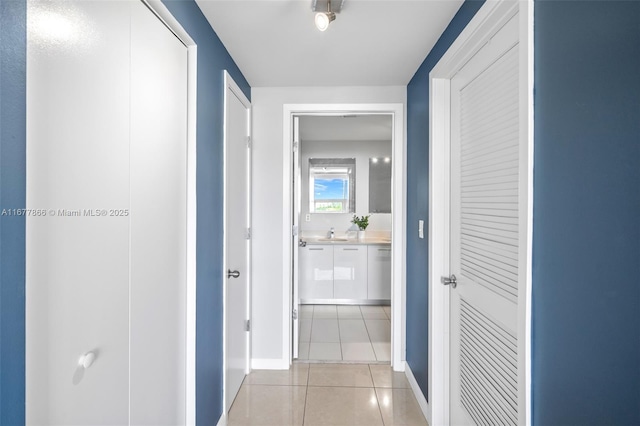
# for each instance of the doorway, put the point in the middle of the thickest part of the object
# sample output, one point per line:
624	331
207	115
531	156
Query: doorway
344	165
340	291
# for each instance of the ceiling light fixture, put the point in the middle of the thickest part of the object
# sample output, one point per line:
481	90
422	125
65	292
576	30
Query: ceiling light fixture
323	19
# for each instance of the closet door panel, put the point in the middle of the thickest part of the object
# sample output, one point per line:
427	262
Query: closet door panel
77	255
158	221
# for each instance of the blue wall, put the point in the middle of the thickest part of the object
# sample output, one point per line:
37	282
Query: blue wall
12	195
586	257
213	58
417	311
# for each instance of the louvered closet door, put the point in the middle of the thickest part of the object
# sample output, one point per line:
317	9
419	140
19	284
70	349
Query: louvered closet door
485	236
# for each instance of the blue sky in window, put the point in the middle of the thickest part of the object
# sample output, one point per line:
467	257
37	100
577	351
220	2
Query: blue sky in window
331	189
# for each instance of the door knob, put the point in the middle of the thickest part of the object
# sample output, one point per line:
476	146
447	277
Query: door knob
233	274
452	281
87	359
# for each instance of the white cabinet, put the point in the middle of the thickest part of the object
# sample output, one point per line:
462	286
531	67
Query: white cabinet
379	272
345	272
350	272
316	272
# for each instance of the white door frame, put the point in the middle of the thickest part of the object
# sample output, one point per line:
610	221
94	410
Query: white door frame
478	32
398	218
230	85
161	11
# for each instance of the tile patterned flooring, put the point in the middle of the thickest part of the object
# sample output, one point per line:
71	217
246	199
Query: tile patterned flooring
326	394
345	333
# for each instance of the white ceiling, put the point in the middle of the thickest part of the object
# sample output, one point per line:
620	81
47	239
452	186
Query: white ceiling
347	128
371	42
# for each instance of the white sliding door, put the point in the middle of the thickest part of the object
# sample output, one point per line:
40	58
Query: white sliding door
158	221
77	266
105	246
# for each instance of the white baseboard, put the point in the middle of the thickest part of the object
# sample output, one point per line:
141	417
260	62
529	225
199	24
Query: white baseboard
222	421
422	401
269	364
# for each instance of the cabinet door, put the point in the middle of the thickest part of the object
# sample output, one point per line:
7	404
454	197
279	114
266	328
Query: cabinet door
316	272
379	265
350	272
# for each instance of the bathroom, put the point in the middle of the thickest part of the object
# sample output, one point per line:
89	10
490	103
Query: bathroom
344	175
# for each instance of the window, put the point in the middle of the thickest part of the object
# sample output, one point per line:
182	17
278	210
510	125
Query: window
332	185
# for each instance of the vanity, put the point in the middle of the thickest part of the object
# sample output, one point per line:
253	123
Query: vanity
343	271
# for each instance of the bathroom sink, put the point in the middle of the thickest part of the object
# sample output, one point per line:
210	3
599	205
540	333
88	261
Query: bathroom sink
341	240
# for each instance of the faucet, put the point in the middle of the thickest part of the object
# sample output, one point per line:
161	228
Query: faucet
331	233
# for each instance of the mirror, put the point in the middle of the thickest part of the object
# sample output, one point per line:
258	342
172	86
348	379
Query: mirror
332	185
380	185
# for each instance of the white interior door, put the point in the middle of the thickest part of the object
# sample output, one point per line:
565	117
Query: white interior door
237	238
295	300
486	240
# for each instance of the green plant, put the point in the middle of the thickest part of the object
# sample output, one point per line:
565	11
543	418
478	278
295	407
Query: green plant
361	222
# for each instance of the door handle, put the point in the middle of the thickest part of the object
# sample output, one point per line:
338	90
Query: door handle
452	281
233	274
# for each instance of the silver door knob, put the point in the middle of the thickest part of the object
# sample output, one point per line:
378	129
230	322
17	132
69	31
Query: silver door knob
233	274
452	281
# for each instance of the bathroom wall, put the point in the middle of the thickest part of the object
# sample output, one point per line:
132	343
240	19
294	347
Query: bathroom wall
361	151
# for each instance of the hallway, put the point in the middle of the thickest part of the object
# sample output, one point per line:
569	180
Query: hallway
326	394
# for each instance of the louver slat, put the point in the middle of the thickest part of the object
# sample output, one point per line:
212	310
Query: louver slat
489	180
488	369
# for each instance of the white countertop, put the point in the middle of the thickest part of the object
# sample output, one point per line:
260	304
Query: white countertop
346	241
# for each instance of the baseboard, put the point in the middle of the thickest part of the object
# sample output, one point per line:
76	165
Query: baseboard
222	421
269	364
422	401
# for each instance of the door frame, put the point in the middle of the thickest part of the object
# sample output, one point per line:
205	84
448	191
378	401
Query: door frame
161	11
398	226
490	17
230	85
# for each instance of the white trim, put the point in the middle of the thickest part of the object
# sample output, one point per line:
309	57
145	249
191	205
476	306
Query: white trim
222	421
417	392
161	11
479	31
438	253
269	364
231	85
398	331
170	21
526	111
192	235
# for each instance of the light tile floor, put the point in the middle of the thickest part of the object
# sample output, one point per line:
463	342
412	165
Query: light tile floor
345	333
326	394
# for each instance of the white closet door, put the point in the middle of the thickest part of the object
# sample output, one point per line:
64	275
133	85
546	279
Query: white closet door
77	265
486	236
158	221
106	160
